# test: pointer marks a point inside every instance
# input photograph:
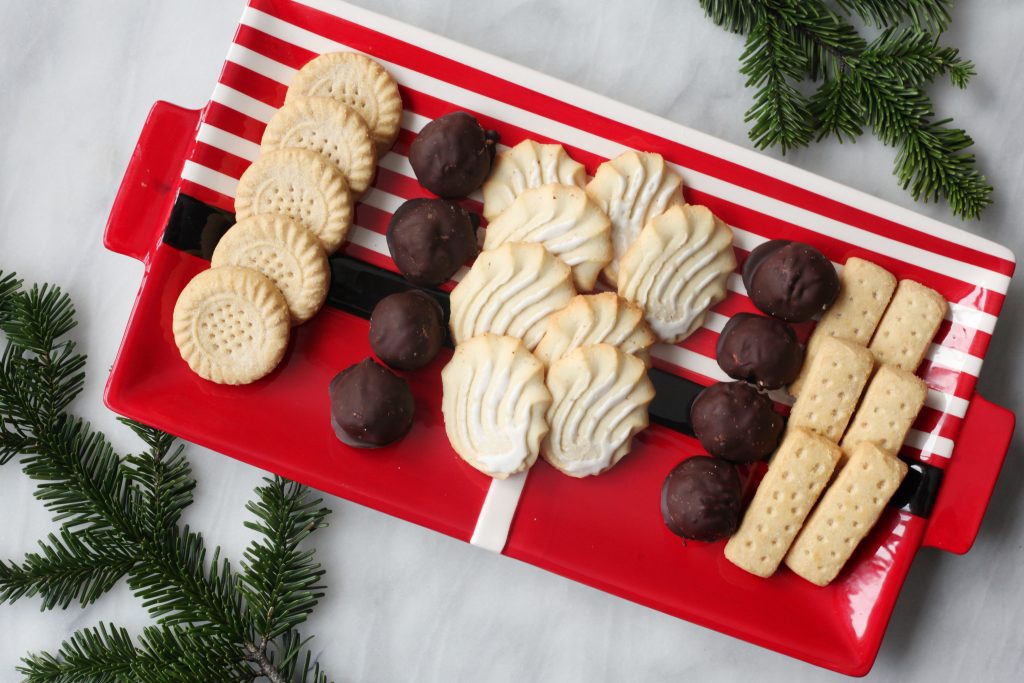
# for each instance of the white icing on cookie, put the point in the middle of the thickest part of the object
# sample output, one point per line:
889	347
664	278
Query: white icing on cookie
494	400
632	188
599	402
677	269
604	318
510	290
565	221
528	164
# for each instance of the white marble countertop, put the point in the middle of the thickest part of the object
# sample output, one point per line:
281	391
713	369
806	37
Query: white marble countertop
76	80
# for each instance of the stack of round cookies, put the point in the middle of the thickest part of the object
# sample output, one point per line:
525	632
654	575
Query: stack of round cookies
294	207
543	367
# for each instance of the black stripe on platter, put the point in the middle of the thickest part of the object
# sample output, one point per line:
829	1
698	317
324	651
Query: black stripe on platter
195	227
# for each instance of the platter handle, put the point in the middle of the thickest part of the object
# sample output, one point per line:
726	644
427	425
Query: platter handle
150	183
970	477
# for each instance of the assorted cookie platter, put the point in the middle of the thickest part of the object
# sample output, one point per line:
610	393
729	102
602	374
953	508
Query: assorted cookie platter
544	301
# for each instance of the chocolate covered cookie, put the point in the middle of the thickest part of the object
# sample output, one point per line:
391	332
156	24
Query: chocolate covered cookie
370	405
735	422
452	155
761	350
430	239
407	329
791	281
701	499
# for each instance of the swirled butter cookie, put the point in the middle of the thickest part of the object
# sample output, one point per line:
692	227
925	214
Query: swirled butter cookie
494	401
677	269
284	251
599	399
329	127
511	290
359	82
565	221
231	325
632	188
528	164
604	318
302	185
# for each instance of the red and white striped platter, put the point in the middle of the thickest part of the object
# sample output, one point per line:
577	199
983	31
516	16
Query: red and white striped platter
606	531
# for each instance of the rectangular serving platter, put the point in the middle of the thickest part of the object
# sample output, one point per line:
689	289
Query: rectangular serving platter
603	531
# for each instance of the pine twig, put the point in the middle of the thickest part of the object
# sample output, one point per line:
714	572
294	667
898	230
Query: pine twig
121	517
877	85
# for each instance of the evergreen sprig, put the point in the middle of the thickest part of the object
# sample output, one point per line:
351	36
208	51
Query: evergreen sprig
120	519
877	85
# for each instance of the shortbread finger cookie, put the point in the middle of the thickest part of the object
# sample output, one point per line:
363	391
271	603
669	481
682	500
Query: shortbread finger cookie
511	290
328	127
908	326
494	403
633	188
833	386
797	474
565	221
604	318
359	82
302	185
599	403
864	292
890	405
848	510
677	269
231	325
528	164
284	251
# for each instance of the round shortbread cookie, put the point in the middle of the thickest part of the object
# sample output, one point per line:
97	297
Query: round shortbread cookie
231	325
677	269
599	399
359	82
327	127
604	318
302	185
565	221
494	401
632	188
510	290
528	164
284	251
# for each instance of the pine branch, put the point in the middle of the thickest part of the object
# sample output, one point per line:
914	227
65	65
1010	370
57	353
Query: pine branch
925	15
74	567
280	581
93	655
877	85
121	517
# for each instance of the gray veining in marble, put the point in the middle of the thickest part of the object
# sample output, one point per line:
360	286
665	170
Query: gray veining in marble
76	80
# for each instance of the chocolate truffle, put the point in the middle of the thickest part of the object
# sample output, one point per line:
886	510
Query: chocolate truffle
407	329
761	350
701	499
452	155
735	422
430	239
792	281
370	405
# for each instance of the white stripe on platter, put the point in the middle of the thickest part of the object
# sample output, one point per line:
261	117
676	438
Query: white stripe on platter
600	146
495	520
643	120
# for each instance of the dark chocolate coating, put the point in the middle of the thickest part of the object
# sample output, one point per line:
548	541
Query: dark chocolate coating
701	499
371	404
761	350
792	281
430	239
407	329
735	422
452	155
